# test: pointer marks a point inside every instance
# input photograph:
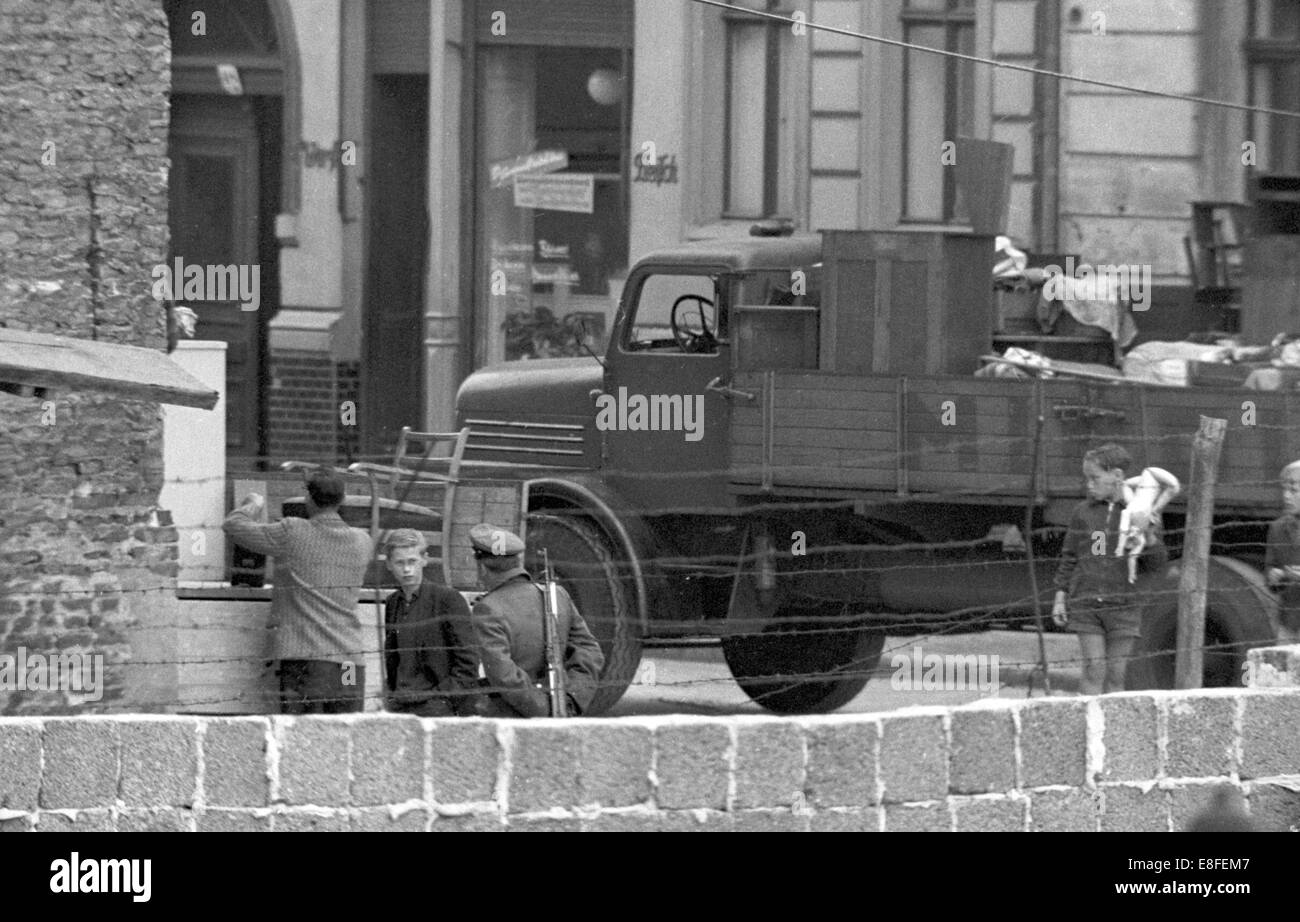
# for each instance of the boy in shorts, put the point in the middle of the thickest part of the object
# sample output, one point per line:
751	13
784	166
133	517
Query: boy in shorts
1103	609
1282	556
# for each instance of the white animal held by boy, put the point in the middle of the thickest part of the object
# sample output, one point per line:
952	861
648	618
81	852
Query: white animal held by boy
1145	496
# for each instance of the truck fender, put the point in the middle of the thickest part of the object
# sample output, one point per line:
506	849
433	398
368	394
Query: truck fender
583	498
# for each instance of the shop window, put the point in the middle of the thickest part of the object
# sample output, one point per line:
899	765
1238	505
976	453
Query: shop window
555	233
1273	57
938	104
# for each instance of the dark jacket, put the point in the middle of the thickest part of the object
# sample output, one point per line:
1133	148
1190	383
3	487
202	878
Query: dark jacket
1283	550
508	622
1089	569
430	652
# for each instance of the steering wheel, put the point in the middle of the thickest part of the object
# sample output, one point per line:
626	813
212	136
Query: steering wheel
703	341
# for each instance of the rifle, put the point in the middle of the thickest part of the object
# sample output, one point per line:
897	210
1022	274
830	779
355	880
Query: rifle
555	683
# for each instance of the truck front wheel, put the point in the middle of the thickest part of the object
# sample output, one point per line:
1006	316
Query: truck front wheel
1240	613
801	662
585	566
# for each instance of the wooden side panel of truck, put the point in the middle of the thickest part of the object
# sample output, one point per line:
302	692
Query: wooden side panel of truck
973	438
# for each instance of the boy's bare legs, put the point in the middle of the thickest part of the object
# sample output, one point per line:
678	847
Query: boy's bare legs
1093	647
1118	652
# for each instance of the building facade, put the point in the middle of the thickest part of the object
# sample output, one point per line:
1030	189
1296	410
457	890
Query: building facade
368	155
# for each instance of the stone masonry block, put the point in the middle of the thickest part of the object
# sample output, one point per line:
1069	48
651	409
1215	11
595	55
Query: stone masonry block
309	822
1053	742
1273	667
769	765
545	766
20	764
159	762
97	820
164	819
983	759
615	764
21	823
1200	735
1188	799
313	761
992	815
1270	735
463	760
544	824
233	821
80	763
1274	808
867	820
469	822
913	758
624	822
1130	737
841	769
234	762
379	819
1130	809
914	818
768	821
691	765
1072	810
387	759
695	821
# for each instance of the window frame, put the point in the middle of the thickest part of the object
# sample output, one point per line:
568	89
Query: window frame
632	307
1266	53
956	16
772	65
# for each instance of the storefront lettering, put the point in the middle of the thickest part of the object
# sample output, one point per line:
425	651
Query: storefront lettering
663	170
315	157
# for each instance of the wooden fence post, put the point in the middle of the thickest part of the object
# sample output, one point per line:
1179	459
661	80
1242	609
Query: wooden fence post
1206	448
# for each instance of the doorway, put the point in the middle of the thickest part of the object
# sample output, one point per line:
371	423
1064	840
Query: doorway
225	154
398	242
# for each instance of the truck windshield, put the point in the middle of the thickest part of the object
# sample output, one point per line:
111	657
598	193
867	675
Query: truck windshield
674	312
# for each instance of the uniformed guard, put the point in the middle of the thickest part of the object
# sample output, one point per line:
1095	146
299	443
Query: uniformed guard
508	622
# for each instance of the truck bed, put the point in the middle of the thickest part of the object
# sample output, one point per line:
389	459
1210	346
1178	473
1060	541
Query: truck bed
967	438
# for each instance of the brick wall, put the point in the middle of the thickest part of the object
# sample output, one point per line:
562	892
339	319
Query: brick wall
349	389
1138	761
304	407
83	219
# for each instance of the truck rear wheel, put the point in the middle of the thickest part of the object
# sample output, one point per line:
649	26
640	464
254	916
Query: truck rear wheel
1240	613
793	666
585	566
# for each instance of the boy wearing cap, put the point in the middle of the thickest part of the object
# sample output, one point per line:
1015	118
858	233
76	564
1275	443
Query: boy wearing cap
508	622
430	650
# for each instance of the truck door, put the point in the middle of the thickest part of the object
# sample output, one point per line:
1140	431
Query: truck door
664	414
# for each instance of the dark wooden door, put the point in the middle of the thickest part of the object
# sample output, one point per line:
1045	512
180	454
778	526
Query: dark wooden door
392	374
214	221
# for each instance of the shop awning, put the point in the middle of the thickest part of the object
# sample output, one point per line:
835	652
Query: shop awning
37	363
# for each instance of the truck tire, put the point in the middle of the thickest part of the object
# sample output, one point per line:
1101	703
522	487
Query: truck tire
832	665
1240	613
585	566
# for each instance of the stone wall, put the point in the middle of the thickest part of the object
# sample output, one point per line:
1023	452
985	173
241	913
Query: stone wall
1137	761
85	555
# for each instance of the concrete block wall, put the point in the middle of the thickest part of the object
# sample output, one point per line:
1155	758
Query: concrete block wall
86	555
1137	761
